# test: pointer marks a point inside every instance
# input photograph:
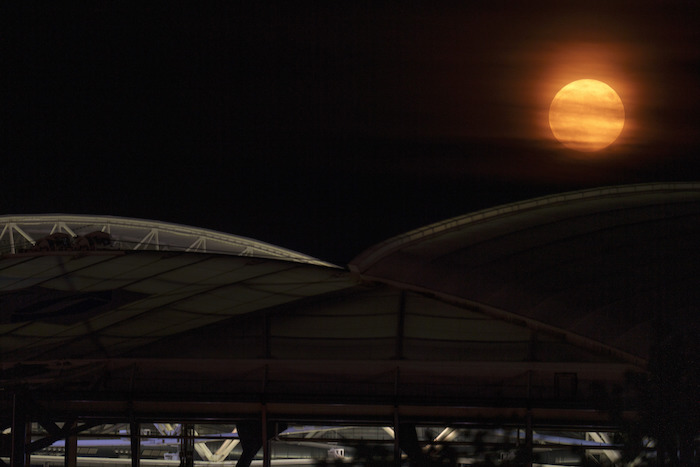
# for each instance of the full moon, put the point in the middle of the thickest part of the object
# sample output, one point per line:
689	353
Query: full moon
586	115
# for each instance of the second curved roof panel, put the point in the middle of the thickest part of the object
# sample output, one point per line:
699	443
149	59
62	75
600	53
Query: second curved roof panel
607	265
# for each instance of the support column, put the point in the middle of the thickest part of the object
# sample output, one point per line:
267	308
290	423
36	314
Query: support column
70	458
19	456
265	438
397	438
528	439
528	423
135	429
187	445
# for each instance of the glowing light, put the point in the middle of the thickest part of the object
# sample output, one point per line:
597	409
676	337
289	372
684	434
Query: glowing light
586	115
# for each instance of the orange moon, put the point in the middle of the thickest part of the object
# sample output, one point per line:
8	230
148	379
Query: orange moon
586	115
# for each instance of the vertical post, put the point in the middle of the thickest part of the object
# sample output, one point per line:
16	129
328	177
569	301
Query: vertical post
187	445
397	441
528	439
528	422
70	458
135	429
265	438
19	456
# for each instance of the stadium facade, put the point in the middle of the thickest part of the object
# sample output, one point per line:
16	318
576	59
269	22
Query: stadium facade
515	334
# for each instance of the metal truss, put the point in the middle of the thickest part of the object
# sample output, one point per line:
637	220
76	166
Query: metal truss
65	232
200	446
116	444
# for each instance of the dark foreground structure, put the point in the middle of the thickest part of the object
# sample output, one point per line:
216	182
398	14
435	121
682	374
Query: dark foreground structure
555	331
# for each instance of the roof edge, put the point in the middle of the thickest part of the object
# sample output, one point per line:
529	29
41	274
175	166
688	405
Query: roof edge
375	253
185	236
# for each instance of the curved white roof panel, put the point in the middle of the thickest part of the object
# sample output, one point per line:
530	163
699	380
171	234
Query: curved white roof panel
22	233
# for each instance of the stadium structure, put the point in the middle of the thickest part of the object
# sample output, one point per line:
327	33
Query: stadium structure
542	332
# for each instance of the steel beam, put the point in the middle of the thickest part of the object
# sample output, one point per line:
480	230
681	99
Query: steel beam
265	437
397	439
135	431
20	456
70	458
528	439
187	446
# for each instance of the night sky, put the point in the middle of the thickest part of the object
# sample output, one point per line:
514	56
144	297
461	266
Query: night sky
328	127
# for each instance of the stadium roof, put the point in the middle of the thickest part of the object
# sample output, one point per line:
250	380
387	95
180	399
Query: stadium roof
497	307
602	264
23	232
67	279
